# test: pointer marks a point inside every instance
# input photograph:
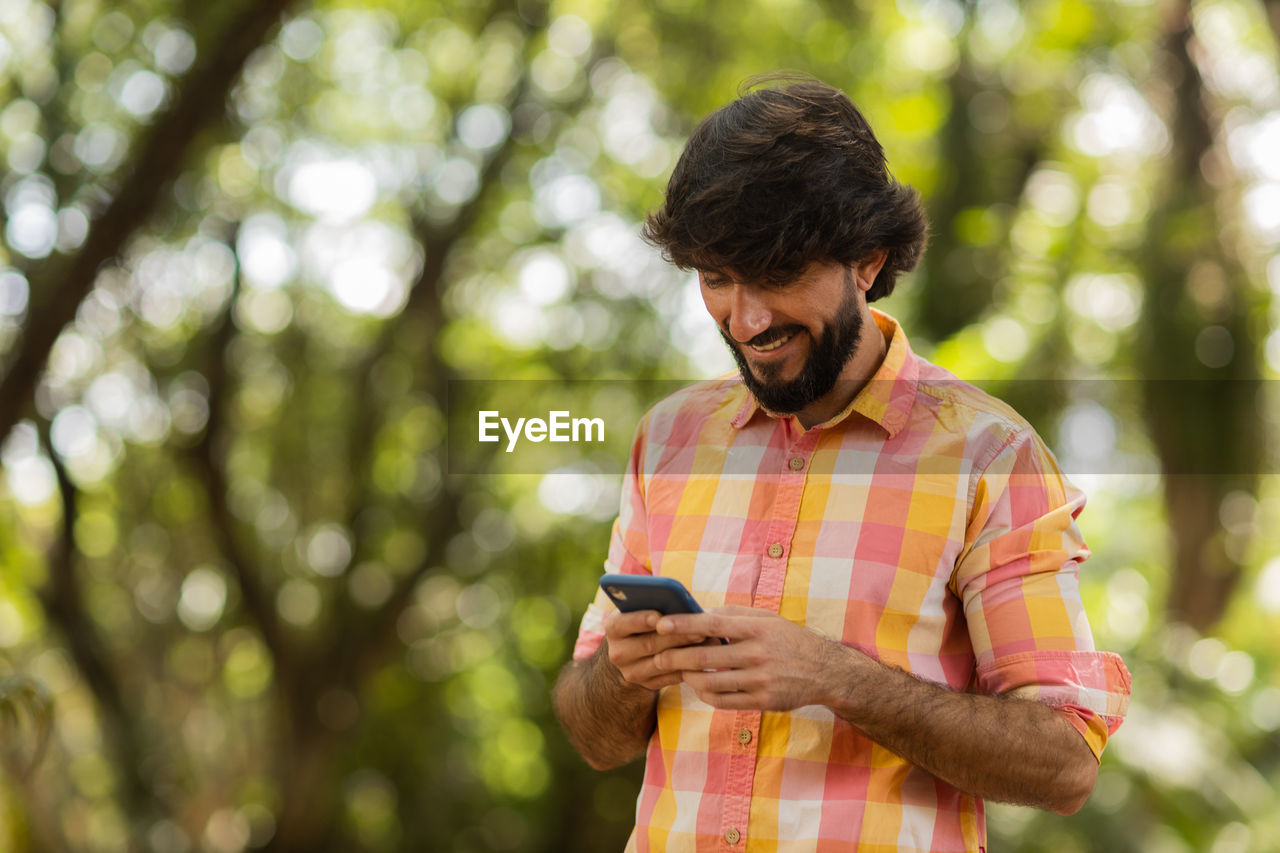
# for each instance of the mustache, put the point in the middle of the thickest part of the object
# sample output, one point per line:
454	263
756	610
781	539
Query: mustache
772	334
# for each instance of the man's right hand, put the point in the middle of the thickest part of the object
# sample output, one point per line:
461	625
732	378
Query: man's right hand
607	702
632	642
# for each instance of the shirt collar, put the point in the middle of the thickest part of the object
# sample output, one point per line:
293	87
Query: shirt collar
886	399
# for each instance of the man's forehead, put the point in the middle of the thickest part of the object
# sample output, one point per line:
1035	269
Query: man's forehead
775	277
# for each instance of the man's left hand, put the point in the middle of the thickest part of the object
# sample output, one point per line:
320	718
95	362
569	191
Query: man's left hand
1013	750
768	664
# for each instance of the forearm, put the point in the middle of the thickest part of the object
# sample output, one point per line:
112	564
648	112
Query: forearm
1001	749
608	720
1004	749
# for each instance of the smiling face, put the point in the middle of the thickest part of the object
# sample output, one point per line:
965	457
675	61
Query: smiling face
794	342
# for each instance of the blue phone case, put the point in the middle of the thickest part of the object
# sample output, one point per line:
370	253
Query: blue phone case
647	592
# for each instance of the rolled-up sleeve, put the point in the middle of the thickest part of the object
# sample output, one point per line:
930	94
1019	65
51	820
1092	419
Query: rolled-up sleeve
1018	581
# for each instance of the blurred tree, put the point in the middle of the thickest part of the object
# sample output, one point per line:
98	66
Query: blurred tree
1200	344
998	144
58	282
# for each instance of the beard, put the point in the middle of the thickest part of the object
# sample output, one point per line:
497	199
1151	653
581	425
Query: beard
831	351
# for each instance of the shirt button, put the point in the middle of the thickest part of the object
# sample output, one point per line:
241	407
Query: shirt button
796	463
775	550
744	736
733	836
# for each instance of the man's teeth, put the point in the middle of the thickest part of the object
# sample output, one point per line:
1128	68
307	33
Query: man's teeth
772	346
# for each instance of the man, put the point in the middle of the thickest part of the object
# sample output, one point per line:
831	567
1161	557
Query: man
889	553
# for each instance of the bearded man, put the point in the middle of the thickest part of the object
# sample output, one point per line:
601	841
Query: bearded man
889	554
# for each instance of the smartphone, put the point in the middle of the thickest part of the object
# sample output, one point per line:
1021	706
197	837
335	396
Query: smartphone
649	592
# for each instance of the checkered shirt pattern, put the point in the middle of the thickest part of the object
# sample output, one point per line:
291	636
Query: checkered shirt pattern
926	525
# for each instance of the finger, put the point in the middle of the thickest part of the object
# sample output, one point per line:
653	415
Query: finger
667	679
620	624
639	649
662	642
732	701
647	673
706	624
699	657
715	681
648	677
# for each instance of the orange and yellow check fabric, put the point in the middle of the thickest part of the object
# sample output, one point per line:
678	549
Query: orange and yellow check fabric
926	525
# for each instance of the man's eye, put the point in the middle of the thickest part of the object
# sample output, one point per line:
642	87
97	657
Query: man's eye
713	283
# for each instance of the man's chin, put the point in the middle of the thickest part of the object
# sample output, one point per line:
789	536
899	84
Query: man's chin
781	398
771	380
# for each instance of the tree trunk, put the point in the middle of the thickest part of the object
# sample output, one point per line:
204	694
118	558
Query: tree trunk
1200	388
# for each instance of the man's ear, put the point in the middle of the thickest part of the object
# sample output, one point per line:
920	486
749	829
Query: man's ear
866	270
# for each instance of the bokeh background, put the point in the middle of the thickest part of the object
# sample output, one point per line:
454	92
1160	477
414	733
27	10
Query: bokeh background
248	245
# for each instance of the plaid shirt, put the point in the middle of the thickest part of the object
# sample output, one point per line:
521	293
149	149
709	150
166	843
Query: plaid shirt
926	525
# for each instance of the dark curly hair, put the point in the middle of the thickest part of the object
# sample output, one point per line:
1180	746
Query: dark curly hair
781	178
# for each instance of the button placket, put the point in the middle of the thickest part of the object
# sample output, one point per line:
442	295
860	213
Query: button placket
793	468
740	777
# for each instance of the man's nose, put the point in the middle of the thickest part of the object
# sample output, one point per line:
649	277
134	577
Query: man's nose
749	315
